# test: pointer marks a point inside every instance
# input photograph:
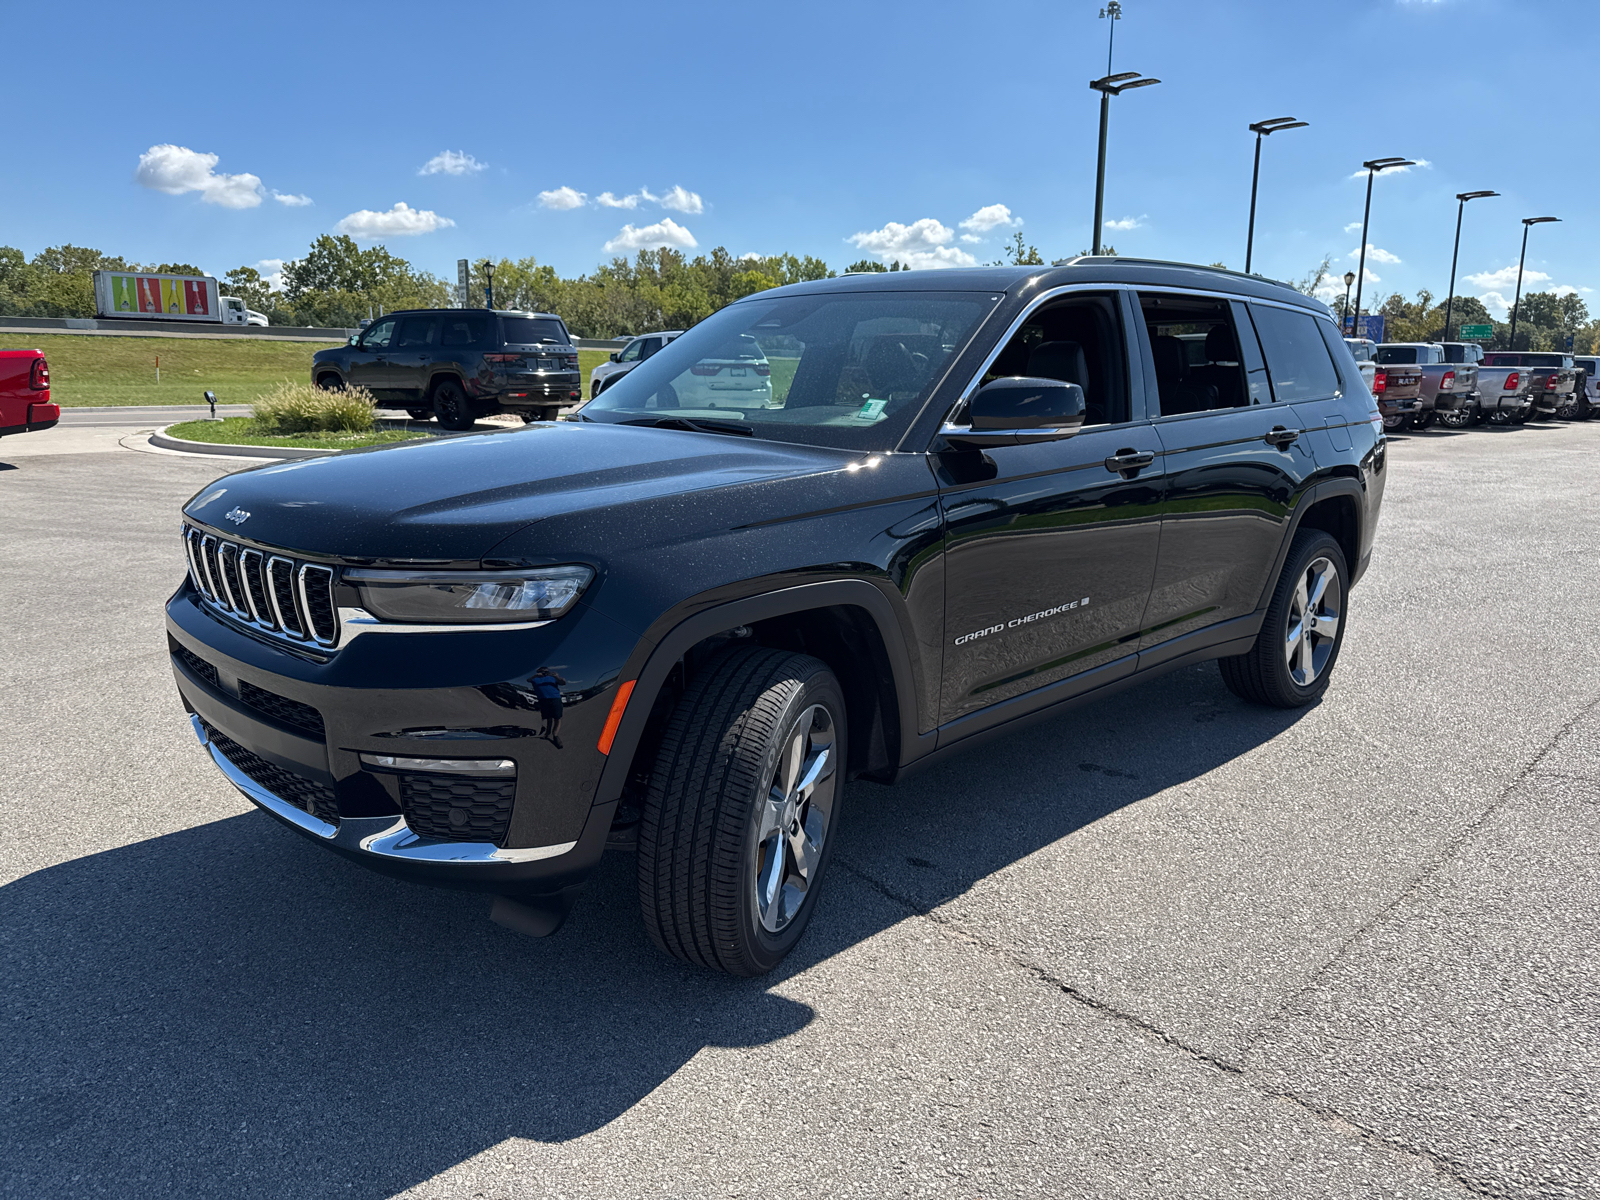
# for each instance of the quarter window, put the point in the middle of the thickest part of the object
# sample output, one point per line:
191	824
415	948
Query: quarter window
1297	358
462	331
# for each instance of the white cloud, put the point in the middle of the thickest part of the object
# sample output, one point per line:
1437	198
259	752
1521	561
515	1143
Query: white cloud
451	162
1505	280
178	169
610	200
563	199
291	200
920	245
1333	285
990	216
971	239
1421	162
1374	254
1564	289
399	221
1127	223
665	232
1499	306
271	272
680	199
751	256
1352	227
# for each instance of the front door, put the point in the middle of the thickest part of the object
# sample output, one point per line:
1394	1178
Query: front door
1235	460
1050	548
369	358
411	356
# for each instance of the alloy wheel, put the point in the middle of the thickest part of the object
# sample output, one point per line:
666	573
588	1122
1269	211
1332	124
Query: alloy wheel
793	819
1314	614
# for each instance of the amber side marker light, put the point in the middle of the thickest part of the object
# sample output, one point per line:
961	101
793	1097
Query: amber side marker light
614	717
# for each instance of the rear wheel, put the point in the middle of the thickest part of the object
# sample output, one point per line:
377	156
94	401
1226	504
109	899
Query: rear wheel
1422	419
1569	410
1458	418
1395	423
450	406
1299	642
742	810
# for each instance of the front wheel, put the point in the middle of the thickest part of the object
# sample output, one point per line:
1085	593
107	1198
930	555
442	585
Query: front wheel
742	810
450	406
1299	641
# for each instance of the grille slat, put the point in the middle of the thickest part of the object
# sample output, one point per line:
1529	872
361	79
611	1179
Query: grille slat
457	808
283	710
289	598
197	665
305	794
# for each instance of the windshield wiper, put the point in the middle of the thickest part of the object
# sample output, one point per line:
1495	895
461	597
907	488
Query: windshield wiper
695	425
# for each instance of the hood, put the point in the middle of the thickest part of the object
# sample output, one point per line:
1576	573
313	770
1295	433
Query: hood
452	499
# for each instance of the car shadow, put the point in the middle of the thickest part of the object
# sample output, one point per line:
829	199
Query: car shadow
230	1010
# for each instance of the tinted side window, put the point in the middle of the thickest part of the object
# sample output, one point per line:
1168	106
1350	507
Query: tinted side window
414	332
649	346
1199	362
377	336
463	331
1297	359
630	352
1078	340
532	331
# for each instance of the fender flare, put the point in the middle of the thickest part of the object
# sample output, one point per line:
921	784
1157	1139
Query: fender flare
1327	489
661	656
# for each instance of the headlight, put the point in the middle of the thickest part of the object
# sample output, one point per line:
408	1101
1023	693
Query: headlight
470	597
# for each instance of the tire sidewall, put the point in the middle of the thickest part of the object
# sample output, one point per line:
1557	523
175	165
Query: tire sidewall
762	949
1301	556
450	406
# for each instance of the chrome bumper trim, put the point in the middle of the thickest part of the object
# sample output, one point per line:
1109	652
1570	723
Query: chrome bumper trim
381	837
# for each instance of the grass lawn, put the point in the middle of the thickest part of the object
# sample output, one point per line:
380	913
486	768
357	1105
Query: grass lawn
235	431
92	370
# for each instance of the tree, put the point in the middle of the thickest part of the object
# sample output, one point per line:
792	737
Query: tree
1312	280
865	267
1022	255
247	284
1545	320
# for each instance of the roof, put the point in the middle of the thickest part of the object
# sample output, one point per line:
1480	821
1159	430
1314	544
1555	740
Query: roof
477	312
1087	269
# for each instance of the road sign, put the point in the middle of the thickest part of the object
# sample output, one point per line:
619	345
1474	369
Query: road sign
1475	333
463	273
1371	327
1569	341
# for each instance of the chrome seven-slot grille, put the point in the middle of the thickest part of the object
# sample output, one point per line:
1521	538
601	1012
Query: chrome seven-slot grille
273	592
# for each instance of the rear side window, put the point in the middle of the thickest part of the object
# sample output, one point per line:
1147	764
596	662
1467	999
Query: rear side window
1194	343
414	332
532	331
463	331
1297	359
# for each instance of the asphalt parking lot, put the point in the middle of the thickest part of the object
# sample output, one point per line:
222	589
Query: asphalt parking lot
1172	946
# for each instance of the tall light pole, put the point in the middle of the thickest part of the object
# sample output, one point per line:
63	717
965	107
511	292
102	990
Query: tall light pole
1113	11
1450	302
1373	166
1349	278
1111	85
1527	224
1261	129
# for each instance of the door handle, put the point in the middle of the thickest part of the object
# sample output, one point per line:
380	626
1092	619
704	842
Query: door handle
1128	463
1281	437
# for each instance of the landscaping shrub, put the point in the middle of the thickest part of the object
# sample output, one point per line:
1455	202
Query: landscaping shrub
306	408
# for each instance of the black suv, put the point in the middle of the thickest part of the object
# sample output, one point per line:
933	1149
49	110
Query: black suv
459	364
675	627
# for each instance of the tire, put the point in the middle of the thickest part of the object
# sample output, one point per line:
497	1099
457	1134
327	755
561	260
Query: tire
1459	418
728	802
1422	419
450	406
1568	411
1395	423
330	383
1264	675
420	414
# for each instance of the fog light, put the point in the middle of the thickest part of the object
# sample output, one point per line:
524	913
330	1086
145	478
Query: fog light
457	766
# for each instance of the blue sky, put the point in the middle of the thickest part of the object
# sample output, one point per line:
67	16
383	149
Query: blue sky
921	131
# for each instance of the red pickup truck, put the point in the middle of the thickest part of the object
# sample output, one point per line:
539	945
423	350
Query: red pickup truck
25	393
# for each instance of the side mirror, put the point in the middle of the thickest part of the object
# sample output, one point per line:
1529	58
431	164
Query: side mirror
1018	411
353	339
615	355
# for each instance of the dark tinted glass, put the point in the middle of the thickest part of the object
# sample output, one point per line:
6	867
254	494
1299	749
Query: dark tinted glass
1196	353
377	336
1390	355
1296	357
463	331
414	331
531	331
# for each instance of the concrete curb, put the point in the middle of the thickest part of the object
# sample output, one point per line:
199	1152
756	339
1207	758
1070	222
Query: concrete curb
220	450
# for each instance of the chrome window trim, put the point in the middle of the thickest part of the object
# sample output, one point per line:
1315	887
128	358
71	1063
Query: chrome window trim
1021	319
305	606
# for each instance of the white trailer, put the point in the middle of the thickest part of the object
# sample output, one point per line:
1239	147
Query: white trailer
153	297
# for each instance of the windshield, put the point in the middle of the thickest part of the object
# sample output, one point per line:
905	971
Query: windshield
531	331
1397	354
850	370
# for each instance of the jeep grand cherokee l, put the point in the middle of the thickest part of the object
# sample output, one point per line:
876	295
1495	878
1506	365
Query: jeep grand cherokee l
460	364
971	498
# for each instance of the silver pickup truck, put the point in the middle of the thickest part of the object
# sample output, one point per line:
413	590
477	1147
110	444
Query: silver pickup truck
1505	395
1589	401
1447	387
1554	377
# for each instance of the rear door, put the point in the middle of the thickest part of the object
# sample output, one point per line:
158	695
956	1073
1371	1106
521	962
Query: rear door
1051	548
1235	458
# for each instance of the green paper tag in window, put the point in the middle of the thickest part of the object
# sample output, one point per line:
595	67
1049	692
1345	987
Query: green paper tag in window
871	410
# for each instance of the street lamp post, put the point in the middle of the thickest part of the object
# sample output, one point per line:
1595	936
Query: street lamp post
1450	301
488	289
1373	166
1111	85
1261	129
1527	224
1349	278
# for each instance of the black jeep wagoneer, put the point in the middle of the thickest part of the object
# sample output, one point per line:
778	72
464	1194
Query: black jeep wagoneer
678	626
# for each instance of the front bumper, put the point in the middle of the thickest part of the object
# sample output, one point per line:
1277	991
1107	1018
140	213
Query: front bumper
299	736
